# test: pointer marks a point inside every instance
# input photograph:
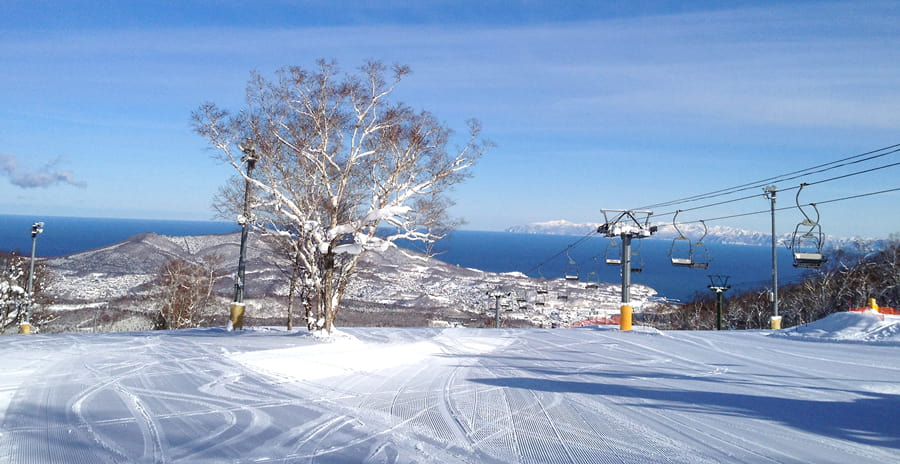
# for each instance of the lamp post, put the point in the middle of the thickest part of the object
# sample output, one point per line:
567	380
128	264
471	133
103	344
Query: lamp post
237	307
775	322
36	229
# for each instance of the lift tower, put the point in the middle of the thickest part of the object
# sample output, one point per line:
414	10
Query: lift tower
718	284
626	225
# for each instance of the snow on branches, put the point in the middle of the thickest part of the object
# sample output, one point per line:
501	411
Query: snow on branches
341	168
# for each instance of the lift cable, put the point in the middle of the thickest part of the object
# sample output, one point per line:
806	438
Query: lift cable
719	218
855	159
844	176
853	174
785	208
782	177
561	252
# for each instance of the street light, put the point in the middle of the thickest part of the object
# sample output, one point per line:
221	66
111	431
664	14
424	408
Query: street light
36	229
237	307
775	321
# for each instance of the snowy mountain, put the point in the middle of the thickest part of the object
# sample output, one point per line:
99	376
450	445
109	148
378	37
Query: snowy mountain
717	234
395	287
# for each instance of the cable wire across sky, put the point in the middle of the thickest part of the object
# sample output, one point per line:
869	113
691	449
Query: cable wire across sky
793	175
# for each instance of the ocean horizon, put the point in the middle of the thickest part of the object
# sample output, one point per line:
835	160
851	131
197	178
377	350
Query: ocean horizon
749	267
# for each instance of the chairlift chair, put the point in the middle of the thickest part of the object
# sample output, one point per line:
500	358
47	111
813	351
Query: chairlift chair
571	270
700	256
807	246
685	253
540	298
809	260
637	261
807	249
521	302
681	251
543	287
593	280
613	254
700	253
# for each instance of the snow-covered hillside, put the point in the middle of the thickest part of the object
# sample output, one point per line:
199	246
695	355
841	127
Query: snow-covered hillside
120	277
588	395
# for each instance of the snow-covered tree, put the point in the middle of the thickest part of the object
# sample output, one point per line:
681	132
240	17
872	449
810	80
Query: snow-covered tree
339	161
13	281
185	291
12	292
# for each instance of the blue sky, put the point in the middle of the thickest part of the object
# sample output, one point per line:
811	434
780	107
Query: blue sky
615	105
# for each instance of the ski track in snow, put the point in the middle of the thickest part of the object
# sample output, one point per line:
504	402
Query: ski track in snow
590	395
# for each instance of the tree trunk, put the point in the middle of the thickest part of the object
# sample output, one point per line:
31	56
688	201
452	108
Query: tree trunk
290	309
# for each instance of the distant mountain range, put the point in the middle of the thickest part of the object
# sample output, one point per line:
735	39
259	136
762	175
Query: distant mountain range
716	234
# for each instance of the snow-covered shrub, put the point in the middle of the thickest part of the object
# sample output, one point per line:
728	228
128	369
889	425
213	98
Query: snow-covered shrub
185	292
14	299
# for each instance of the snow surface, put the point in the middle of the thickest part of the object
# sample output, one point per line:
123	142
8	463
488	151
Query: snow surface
588	395
867	326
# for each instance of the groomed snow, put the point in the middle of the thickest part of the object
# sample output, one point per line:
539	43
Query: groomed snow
381	395
848	326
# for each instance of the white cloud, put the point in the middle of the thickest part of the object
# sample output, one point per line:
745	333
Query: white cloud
44	176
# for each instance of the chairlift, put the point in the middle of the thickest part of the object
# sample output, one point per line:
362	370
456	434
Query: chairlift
593	278
681	250
521	303
686	253
543	286
700	255
637	261
613	253
571	270
807	246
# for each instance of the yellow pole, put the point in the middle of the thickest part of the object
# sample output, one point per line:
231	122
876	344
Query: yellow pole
872	304
776	322
24	328
237	315
625	318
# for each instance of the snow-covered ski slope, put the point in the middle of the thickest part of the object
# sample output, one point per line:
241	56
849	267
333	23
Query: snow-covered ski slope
589	395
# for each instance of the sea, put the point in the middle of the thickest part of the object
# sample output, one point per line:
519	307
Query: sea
536	255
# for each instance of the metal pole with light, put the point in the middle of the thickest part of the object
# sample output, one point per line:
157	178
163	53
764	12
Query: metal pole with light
237	306
775	322
36	229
